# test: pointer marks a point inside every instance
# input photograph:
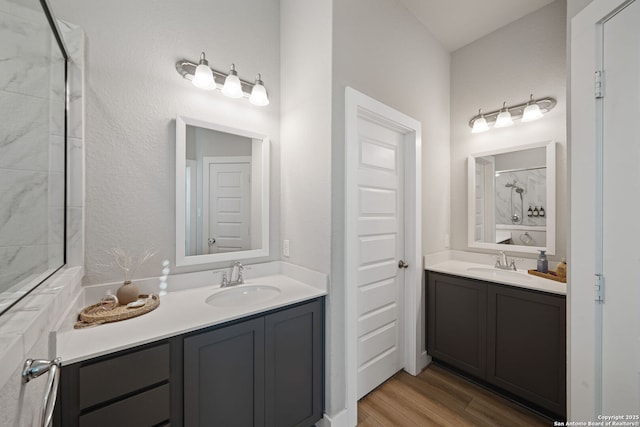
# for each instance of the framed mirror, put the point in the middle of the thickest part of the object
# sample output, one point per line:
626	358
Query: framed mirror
222	193
512	198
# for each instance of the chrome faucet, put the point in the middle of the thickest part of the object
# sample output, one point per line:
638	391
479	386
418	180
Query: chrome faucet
236	276
503	263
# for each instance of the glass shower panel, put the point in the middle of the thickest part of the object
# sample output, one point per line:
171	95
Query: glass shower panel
32	149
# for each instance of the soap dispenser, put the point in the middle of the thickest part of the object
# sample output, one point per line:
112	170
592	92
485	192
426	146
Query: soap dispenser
543	263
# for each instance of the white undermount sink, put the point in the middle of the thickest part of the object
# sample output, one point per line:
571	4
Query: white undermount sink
498	274
242	295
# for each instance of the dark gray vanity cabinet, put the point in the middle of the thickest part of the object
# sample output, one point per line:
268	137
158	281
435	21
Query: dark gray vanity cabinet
265	370
457	322
512	338
527	345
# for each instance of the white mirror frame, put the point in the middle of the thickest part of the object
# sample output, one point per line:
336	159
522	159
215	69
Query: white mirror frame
181	131
551	199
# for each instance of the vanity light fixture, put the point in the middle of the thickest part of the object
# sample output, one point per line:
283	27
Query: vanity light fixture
259	93
480	123
526	112
532	111
504	117
204	77
232	86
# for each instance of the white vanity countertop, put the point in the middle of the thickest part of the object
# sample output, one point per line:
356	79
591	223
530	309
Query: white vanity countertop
179	312
485	272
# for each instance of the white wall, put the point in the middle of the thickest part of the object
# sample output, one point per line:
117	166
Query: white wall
134	96
306	131
380	49
306	156
526	56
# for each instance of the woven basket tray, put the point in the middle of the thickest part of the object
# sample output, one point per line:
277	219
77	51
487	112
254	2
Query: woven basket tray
551	276
93	315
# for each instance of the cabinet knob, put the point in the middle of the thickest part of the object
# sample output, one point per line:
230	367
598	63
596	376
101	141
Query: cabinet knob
402	264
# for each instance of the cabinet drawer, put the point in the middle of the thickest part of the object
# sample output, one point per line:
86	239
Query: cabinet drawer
111	378
145	409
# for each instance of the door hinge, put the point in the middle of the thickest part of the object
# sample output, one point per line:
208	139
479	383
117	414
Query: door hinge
599	84
599	288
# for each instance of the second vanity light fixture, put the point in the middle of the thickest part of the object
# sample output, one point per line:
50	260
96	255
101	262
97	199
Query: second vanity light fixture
526	112
204	77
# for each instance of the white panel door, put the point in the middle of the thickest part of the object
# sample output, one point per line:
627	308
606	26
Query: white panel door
620	219
229	207
380	229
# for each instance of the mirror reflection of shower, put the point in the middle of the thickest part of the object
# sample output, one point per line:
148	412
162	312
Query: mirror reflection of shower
515	217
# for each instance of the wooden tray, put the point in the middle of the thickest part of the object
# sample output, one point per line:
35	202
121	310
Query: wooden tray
93	315
551	275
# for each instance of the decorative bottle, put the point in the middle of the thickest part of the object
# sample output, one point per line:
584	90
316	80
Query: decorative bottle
541	212
561	268
536	212
530	212
543	263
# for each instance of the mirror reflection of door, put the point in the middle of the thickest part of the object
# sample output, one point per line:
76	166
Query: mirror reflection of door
226	204
222	192
223	197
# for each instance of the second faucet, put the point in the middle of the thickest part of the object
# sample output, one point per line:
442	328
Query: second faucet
236	276
503	263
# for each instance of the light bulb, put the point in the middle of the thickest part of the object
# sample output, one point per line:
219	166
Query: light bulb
232	86
532	111
259	94
480	124
504	118
203	77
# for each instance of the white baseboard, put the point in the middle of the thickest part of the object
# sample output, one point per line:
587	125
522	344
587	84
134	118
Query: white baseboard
341	419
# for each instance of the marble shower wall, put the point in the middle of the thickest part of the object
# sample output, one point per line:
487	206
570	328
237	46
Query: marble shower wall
534	183
25	329
32	178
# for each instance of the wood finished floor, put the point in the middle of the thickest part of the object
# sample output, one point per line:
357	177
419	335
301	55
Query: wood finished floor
437	397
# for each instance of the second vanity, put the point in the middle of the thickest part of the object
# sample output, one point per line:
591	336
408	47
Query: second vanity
204	354
504	328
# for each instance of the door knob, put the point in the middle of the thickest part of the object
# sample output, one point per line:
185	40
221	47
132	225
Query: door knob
403	264
211	241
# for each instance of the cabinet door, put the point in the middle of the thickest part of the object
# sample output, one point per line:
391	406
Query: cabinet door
456	322
526	345
294	366
224	376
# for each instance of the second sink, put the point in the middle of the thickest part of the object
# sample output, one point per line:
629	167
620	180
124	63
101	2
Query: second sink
242	294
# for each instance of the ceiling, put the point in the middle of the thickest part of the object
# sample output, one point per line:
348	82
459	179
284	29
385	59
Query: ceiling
456	23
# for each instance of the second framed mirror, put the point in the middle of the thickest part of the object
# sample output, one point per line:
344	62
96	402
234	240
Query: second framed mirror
222	193
511	198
